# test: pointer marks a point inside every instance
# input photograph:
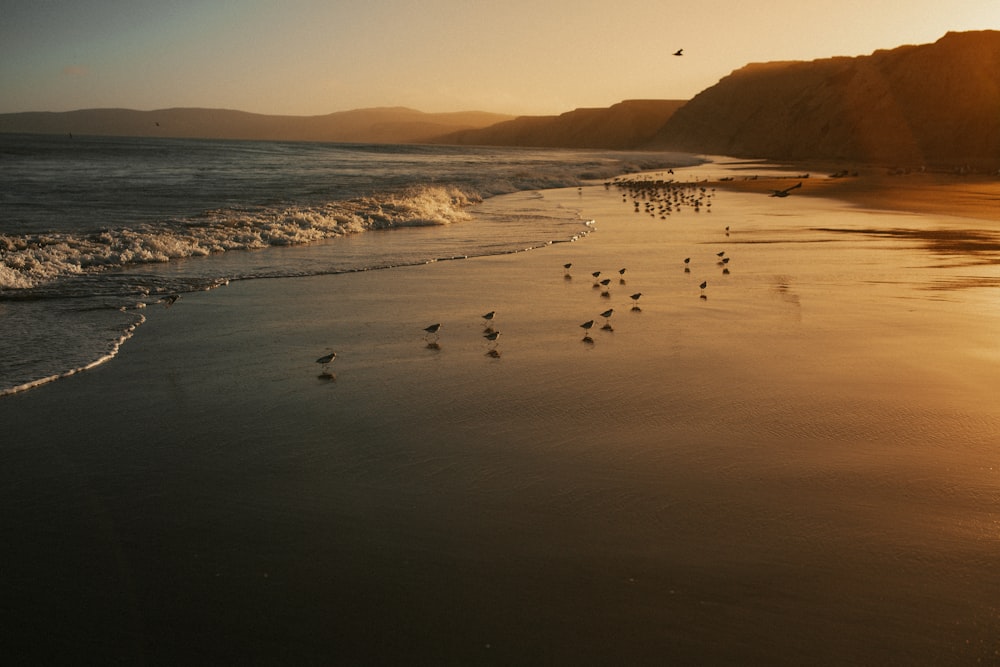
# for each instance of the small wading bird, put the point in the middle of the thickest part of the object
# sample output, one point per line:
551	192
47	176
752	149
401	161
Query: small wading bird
679	52
604	283
492	338
171	300
786	191
586	326
326	360
489	321
607	319
566	268
635	300
432	330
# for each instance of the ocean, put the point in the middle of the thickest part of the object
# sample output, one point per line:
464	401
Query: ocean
93	230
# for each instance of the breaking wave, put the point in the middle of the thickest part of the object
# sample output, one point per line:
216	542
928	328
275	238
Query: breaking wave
32	260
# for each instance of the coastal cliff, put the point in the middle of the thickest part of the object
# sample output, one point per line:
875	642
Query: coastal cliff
916	105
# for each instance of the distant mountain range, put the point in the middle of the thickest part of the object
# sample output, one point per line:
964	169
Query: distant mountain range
389	125
932	104
629	124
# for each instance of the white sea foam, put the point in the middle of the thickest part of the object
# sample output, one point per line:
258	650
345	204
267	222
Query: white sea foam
111	353
32	260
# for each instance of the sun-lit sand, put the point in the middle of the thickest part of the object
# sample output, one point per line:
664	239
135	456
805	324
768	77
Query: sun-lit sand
939	193
798	468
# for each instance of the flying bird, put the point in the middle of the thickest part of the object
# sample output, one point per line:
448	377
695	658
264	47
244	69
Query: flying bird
786	191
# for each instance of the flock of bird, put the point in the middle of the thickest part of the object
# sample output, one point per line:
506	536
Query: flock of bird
661	198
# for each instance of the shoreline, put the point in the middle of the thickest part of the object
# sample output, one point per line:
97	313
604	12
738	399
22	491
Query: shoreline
975	196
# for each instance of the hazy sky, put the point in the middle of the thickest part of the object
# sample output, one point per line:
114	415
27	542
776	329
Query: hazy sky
308	57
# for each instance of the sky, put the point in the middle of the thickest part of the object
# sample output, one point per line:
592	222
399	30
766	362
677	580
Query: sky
521	57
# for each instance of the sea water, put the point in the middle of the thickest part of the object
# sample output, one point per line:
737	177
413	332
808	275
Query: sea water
95	229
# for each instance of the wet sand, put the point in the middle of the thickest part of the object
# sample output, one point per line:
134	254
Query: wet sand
799	468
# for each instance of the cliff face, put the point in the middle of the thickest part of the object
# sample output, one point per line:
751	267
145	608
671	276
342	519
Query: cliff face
935	103
377	125
628	124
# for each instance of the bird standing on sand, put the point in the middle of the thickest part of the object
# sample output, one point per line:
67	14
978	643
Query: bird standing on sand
586	326
432	329
607	319
679	52
492	336
566	267
635	300
489	321
326	360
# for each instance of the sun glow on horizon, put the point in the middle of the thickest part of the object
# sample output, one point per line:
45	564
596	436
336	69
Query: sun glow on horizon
308	58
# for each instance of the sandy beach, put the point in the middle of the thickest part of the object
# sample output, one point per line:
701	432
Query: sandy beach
796	464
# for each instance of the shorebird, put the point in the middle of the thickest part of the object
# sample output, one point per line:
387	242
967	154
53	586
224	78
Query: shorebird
704	284
678	52
687	260
489	319
786	191
171	300
607	292
607	319
432	329
326	360
567	266
635	300
492	336
720	254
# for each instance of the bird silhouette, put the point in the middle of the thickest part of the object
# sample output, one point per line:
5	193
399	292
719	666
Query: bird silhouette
679	52
326	360
432	330
786	191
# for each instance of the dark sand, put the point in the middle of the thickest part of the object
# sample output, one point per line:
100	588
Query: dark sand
801	468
